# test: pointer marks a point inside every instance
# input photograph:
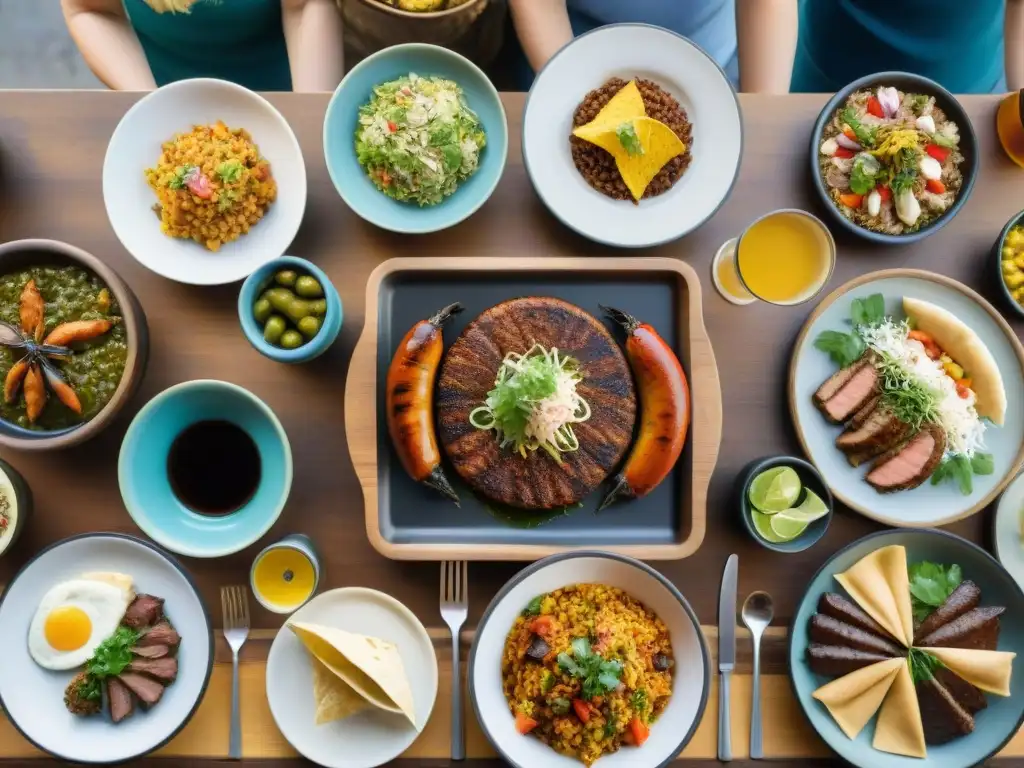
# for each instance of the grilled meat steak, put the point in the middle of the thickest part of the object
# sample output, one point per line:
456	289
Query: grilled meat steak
837	381
966	596
145	611
120	700
165	670
910	464
978	628
468	373
838	607
836	661
862	415
147	689
861	387
876	435
151	651
941	715
160	634
829	631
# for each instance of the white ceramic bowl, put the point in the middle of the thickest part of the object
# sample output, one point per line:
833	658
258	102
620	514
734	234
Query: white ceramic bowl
33	697
679	67
669	734
135	146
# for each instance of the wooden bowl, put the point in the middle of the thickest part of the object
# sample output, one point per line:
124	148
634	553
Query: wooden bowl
21	253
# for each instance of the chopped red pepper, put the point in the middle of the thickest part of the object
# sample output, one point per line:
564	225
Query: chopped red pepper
963	389
543	625
884	192
640	731
851	199
392	127
939	153
936	186
874	107
582	709
844	153
199	186
524	723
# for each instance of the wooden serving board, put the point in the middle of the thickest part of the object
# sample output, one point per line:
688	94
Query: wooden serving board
373	461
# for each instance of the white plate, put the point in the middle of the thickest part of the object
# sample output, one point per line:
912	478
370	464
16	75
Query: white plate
690	686
679	67
33	697
1006	523
135	146
371	737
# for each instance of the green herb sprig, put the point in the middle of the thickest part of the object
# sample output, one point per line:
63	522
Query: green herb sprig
598	676
846	348
864	134
113	654
626	133
910	401
533	607
961	470
923	665
930	585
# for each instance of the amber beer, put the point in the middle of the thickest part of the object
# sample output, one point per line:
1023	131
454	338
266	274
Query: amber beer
1010	125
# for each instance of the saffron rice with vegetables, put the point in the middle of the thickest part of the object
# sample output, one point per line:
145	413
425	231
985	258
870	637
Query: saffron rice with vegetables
587	669
212	185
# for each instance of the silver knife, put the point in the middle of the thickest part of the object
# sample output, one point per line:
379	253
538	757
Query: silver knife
726	652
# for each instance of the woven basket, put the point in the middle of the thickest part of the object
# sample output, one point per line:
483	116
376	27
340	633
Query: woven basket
475	29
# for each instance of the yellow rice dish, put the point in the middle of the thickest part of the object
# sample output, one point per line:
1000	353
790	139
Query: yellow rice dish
212	185
587	669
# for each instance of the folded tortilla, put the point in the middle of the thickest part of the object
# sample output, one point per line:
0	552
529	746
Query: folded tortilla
966	348
372	667
988	670
623	106
899	729
334	698
658	144
853	699
880	585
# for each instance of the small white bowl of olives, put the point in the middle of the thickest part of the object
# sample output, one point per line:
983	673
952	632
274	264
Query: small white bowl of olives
289	310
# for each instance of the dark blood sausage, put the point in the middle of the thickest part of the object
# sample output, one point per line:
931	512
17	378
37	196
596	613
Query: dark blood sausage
836	661
838	607
145	611
120	700
147	689
160	634
910	464
967	696
829	631
977	629
966	596
468	373
837	381
861	387
151	651
165	670
941	715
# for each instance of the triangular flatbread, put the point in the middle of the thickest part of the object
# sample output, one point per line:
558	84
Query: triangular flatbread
657	141
988	670
899	729
334	698
623	106
853	699
879	584
371	666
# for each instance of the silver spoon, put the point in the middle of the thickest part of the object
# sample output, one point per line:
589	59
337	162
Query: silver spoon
757	614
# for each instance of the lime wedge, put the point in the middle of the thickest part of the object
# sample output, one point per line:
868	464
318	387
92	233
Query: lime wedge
811	508
763	526
774	490
786	527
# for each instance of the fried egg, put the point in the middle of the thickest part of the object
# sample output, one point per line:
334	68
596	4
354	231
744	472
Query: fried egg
73	618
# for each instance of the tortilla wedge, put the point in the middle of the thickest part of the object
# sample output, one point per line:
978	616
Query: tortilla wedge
371	666
335	699
967	349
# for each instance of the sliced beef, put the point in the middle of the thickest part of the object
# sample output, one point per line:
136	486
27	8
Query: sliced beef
165	670
967	696
145	611
836	661
942	717
829	631
151	651
862	415
853	395
966	596
910	464
161	634
147	689
837	381
878	434
120	700
838	607
978	628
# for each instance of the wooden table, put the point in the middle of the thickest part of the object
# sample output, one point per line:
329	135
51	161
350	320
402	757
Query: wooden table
51	153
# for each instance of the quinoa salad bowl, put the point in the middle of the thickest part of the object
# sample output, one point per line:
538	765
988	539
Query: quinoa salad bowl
589	658
632	135
893	157
204	182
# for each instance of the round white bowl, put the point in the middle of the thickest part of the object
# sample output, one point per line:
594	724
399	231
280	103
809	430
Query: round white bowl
135	146
669	734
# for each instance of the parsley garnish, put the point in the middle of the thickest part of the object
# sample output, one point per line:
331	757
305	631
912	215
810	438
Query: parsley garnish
638	701
961	469
229	171
930	585
903	181
922	665
598	675
113	654
629	140
533	607
89	688
847	348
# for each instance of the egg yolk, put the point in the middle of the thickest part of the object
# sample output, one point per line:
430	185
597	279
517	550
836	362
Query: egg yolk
67	628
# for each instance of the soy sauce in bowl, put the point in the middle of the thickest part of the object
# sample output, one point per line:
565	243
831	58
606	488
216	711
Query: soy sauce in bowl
214	467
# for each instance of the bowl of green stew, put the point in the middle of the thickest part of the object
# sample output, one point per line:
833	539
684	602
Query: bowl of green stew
73	344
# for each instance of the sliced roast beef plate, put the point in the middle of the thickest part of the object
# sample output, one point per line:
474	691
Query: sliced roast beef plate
165	669
978	628
910	464
147	689
145	611
838	607
966	596
161	634
829	631
862	415
853	395
120	700
836	661
837	381
943	718
151	651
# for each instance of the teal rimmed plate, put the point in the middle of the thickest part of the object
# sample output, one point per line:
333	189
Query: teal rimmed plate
994	725
927	505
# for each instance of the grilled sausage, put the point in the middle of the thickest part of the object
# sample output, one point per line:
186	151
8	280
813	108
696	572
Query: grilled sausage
410	401
664	410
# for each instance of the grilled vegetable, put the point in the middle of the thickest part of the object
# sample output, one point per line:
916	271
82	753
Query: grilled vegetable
410	401
664	410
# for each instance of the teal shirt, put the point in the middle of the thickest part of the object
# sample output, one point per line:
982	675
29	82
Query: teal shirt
237	40
958	43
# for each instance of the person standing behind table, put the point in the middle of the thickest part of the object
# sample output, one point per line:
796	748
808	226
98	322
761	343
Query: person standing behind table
967	46
752	40
265	45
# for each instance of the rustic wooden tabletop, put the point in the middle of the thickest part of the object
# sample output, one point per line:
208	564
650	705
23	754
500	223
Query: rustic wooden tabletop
52	146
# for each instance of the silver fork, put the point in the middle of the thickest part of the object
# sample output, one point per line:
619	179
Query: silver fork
454	609
235	603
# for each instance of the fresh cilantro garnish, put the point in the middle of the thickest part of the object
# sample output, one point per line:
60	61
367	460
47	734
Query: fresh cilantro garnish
961	469
866	173
930	585
864	134
638	701
922	665
533	607
89	688
598	676
626	133
113	654
230	171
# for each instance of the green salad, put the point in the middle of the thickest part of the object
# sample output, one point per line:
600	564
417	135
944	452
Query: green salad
418	140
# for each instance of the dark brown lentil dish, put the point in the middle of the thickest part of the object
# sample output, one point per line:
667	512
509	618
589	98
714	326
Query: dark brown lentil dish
598	166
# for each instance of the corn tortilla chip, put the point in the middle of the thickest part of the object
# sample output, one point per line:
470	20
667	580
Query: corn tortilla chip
623	106
657	145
